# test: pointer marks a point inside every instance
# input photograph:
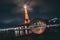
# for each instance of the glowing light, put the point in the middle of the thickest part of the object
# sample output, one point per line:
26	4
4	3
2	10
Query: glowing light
25	6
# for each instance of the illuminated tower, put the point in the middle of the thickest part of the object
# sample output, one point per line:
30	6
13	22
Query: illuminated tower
27	20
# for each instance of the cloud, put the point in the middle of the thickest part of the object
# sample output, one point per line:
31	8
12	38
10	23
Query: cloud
11	20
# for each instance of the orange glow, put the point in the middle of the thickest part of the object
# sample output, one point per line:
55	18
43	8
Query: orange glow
26	12
27	22
26	15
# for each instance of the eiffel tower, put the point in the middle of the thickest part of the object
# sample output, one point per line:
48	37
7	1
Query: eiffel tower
27	20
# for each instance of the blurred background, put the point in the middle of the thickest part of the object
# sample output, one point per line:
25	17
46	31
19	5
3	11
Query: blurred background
12	11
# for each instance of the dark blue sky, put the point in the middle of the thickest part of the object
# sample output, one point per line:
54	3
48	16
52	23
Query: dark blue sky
41	9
